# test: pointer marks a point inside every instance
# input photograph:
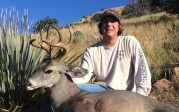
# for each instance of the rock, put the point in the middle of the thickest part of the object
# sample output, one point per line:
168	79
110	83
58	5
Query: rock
162	84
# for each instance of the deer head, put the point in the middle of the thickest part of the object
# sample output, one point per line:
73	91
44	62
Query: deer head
49	72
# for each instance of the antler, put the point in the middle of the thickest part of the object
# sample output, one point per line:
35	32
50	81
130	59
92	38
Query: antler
42	46
59	44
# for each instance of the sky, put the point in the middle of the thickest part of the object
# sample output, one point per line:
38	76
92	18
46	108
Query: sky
65	11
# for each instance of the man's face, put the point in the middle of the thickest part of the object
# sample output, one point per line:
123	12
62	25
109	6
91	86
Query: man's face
110	26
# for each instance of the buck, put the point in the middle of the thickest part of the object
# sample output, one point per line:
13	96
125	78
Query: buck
66	97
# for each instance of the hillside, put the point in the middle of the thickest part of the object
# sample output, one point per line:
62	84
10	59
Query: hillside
85	31
88	18
158	34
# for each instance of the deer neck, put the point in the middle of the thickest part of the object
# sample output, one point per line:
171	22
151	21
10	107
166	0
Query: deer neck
63	91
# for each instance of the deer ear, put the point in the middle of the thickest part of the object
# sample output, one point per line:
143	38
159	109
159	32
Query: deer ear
77	72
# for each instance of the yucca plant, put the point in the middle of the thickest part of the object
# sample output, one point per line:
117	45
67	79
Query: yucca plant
17	61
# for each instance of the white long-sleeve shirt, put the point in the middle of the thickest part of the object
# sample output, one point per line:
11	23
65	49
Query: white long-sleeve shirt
122	67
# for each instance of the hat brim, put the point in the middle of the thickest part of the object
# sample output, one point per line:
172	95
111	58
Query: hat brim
109	14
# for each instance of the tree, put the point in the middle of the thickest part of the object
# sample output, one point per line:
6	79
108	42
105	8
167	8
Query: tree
171	6
140	7
42	24
137	8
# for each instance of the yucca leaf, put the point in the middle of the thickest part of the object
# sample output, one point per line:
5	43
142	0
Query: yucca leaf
18	60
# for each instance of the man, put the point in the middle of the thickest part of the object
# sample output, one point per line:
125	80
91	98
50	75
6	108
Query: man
118	62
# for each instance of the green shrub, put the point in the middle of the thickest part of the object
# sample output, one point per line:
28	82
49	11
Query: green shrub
78	36
96	17
18	61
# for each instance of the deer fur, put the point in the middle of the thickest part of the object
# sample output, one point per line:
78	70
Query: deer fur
66	97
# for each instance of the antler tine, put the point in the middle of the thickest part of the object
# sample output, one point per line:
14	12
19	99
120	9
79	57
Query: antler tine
46	34
58	31
71	36
59	43
33	43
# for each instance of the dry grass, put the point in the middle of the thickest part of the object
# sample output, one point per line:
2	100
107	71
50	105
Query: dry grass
169	96
151	31
143	18
153	37
158	35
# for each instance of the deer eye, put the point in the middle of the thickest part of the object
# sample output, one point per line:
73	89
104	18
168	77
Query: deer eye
48	71
60	72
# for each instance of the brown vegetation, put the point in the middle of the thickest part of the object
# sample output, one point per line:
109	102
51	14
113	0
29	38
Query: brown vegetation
158	34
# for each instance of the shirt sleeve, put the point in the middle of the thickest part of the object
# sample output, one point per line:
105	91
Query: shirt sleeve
142	72
87	64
